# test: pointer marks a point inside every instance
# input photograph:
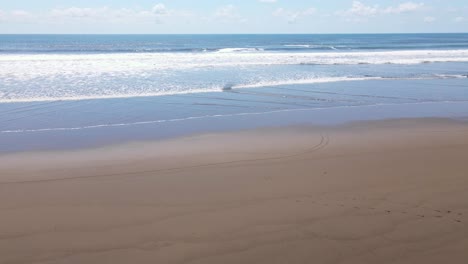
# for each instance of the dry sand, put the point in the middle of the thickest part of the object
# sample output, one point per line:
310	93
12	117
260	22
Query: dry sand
379	192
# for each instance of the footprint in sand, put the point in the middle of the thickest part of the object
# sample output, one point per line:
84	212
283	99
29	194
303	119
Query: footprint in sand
442	213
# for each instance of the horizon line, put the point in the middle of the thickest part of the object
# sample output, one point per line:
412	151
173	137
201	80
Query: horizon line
354	33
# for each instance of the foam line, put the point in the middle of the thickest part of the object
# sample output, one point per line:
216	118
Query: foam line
205	117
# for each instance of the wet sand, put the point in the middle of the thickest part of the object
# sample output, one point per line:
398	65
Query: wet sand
391	191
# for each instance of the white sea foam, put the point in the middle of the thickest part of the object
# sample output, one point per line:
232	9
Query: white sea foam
52	77
304	81
174	90
45	65
181	90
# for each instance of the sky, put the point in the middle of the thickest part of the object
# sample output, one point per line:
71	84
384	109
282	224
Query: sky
230	16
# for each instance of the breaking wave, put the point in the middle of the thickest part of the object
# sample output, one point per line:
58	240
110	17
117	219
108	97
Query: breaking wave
78	95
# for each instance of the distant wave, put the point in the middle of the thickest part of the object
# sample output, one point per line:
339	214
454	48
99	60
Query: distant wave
85	51
233	50
201	49
298	45
249	56
15	67
311	46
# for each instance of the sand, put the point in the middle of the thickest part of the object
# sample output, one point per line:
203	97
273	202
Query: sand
376	192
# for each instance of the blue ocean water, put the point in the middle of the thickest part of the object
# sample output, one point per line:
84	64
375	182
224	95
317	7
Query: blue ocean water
205	43
57	89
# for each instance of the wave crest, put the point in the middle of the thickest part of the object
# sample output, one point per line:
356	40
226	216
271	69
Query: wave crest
234	50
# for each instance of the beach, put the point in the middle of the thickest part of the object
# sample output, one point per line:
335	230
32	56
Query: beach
388	191
207	149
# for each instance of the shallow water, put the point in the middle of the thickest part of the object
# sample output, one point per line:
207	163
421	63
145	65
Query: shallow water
87	123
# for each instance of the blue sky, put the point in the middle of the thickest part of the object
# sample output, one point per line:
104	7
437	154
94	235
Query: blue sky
229	16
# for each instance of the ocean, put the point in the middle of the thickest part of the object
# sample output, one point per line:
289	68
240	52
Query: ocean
63	84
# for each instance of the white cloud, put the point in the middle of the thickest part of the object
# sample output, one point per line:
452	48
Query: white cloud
229	13
429	19
404	8
109	14
360	9
309	11
279	12
387	15
18	16
292	15
160	9
78	12
20	13
98	15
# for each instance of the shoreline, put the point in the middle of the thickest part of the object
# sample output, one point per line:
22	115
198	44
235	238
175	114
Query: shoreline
64	138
